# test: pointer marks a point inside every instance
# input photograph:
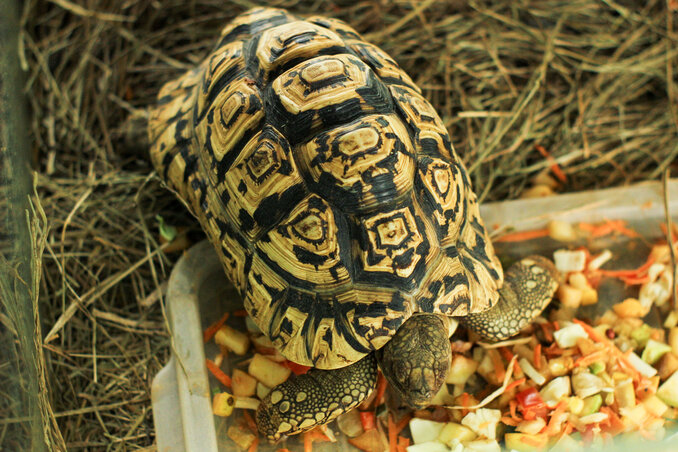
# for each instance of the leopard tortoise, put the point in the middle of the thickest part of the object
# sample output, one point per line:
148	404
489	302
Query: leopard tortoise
340	212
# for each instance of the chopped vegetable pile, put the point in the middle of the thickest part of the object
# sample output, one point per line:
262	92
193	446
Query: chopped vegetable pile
562	384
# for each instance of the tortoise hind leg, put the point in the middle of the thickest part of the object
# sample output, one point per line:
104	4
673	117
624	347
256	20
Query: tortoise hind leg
528	288
315	398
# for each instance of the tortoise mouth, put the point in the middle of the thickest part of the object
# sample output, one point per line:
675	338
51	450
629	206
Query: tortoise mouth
419	399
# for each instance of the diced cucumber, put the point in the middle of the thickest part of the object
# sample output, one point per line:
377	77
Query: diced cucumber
668	391
641	335
592	404
597	367
654	350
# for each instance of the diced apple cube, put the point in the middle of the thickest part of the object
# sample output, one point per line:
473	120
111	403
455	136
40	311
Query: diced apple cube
630	308
673	339
567	261
569	296
556	390
371	440
241	436
349	423
262	390
234	340
531	427
268	372
243	384
625	394
461	369
567	336
668	391
654	405
560	366
561	231
453	432
668	365
424	430
443	396
223	404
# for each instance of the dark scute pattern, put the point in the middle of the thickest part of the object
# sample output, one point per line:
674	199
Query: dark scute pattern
273	207
317	308
246	30
217	87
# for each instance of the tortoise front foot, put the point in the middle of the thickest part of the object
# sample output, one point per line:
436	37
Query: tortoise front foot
315	398
528	288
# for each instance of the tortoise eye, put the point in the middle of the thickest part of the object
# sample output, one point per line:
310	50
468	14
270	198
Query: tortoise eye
402	373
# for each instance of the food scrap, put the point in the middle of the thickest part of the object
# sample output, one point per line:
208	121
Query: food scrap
564	383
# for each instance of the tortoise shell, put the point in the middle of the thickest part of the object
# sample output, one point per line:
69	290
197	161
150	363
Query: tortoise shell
327	183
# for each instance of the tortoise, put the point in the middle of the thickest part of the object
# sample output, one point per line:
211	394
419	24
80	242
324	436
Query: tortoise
340	212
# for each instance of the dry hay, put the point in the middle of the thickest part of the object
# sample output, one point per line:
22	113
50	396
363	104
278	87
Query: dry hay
588	80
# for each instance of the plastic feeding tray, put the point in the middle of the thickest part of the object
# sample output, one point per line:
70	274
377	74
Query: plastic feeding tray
198	294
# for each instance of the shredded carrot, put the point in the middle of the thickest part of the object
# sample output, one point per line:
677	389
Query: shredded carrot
506	354
513	404
625	364
308	442
515	384
250	422
381	388
589	330
523	235
555	168
316	434
255	444
240	313
392	435
282	450
548	335
553	428
527	439
633	281
630	275
403	443
537	356
608	227
402	423
589	359
614	424
211	330
297	369
553	350
509	421
499	370
218	373
367	419
465	402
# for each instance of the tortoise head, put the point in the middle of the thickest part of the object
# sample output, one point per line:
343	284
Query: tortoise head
416	360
